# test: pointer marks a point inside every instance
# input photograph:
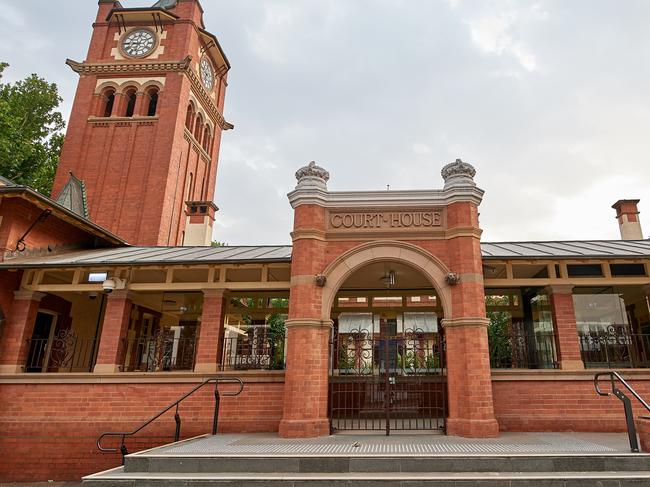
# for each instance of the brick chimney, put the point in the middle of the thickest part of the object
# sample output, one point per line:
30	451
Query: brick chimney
628	219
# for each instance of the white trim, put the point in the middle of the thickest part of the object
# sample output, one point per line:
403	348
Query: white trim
383	199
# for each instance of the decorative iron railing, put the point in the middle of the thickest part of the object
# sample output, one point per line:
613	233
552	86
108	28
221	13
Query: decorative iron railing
387	382
253	352
360	352
160	352
65	352
523	350
614	347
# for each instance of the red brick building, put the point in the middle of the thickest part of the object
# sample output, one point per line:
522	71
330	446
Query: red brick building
387	313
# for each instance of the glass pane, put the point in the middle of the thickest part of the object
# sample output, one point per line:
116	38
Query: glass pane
425	322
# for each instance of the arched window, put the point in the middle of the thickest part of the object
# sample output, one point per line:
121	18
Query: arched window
198	128
108	103
152	95
130	102
189	117
206	138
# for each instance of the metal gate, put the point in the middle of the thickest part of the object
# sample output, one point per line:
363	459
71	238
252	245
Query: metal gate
387	383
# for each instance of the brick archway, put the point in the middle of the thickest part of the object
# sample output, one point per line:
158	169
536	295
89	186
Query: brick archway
385	251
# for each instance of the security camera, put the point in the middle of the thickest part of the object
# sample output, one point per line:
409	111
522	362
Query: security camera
109	286
92	295
113	283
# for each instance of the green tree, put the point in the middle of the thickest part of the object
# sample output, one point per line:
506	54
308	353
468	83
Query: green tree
216	243
31	131
499	339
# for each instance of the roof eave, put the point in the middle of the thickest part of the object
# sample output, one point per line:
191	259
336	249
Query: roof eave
216	42
161	263
167	13
93	228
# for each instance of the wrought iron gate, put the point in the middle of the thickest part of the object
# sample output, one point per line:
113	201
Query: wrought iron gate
387	383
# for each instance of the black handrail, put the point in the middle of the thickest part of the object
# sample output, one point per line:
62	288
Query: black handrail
627	404
217	400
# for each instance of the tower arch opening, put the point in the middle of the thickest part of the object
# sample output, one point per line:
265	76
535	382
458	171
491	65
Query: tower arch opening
131	97
108	102
152	97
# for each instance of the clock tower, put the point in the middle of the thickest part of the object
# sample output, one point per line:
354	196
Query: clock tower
146	123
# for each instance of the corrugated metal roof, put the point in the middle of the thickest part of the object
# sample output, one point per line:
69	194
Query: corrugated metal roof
579	249
157	255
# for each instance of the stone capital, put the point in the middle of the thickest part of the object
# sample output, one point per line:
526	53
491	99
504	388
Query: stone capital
465	321
308	323
559	289
25	295
214	293
120	294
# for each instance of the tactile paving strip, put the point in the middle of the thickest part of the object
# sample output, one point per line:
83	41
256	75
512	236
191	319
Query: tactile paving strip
234	445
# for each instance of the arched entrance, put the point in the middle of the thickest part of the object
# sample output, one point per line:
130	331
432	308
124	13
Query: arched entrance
387	364
435	234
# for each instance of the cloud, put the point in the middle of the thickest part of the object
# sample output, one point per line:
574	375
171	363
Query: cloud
501	33
421	149
548	100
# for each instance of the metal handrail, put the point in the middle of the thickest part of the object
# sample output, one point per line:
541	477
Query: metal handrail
627	404
217	399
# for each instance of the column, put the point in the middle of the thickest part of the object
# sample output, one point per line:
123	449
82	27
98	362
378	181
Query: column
308	327
18	330
141	104
211	333
119	105
110	356
469	378
306	379
567	341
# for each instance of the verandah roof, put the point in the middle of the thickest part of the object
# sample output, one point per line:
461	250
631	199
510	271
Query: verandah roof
575	249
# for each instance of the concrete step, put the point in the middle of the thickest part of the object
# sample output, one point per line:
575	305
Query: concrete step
303	464
119	478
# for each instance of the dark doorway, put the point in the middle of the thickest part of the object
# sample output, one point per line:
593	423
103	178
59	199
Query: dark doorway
39	348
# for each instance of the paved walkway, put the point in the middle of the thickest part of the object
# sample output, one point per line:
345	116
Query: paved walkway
368	445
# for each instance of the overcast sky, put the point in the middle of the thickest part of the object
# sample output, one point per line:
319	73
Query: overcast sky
549	100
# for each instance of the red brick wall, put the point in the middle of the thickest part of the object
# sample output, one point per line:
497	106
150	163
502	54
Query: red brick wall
9	282
17	215
560	405
49	430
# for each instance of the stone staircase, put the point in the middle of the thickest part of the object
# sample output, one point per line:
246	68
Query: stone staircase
192	463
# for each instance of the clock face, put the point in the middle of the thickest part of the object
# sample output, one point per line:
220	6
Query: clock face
139	43
207	75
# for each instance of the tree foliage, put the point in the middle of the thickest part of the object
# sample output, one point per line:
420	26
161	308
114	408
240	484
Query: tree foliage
31	131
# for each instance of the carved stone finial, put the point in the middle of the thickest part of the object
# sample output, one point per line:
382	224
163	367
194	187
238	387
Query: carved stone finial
312	176
458	173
